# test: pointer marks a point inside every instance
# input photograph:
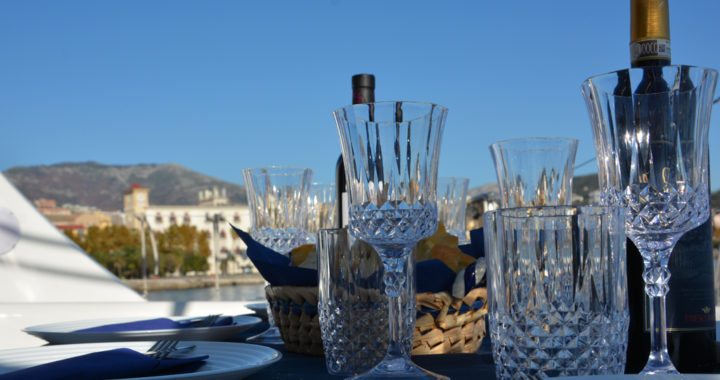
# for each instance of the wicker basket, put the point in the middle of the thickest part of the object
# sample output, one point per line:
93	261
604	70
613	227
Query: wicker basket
442	325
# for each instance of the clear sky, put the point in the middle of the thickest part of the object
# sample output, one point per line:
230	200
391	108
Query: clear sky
217	86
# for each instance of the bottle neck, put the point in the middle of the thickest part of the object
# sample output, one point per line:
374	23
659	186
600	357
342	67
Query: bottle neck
363	95
649	33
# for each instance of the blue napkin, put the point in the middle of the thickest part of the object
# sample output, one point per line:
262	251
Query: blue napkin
111	364
431	275
154	324
274	267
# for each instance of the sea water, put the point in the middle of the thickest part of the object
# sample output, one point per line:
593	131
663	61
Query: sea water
223	293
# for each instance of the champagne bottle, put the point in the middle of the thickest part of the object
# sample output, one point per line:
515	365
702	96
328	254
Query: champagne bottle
690	303
363	91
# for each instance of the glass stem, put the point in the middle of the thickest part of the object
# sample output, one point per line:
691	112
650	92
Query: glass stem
399	280
658	338
657	276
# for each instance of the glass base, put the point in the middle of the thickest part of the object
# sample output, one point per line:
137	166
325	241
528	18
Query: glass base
659	364
398	368
270	337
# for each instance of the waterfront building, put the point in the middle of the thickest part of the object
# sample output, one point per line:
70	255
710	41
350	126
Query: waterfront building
135	201
212	205
73	218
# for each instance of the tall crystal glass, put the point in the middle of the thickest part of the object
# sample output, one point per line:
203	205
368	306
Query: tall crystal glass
278	201
390	151
652	157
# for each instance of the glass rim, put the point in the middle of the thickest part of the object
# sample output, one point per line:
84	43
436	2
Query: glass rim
333	231
569	140
571	210
430	104
590	82
453	178
275	168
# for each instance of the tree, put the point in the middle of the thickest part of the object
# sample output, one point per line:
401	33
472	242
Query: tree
184	249
181	249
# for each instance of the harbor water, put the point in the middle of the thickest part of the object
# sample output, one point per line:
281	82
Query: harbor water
246	292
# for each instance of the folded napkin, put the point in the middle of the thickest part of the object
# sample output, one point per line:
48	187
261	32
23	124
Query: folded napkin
275	267
431	275
154	324
111	364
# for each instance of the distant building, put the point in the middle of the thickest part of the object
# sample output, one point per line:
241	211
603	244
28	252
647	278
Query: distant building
74	218
231	250
135	202
213	197
49	207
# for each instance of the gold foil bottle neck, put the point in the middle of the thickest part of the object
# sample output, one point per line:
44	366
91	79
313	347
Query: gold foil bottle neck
649	19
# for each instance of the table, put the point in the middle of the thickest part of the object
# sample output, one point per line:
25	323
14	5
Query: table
456	366
304	367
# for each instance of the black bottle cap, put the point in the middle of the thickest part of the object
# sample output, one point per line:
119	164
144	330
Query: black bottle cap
363	80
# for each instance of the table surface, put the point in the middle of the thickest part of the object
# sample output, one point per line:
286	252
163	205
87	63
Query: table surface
299	366
304	367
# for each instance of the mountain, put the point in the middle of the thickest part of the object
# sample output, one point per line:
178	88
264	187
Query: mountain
102	186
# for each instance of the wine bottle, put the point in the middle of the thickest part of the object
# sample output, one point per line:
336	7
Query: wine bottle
363	91
690	303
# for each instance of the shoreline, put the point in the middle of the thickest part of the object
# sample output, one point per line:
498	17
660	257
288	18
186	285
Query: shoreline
192	282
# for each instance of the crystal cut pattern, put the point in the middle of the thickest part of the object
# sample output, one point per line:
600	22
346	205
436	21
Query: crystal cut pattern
394	223
668	211
554	344
354	333
281	240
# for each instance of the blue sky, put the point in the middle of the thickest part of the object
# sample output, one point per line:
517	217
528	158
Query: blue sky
217	86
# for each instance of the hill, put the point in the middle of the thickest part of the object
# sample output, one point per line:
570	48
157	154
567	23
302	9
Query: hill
102	186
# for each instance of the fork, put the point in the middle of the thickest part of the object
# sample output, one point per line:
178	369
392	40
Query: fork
162	348
208	321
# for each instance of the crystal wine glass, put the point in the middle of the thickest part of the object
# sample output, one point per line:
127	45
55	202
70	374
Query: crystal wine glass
390	151
277	197
652	155
534	171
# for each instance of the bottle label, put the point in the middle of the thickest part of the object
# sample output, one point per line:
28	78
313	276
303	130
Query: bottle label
649	49
690	303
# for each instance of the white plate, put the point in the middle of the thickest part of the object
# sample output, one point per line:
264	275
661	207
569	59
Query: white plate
260	308
226	361
64	332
